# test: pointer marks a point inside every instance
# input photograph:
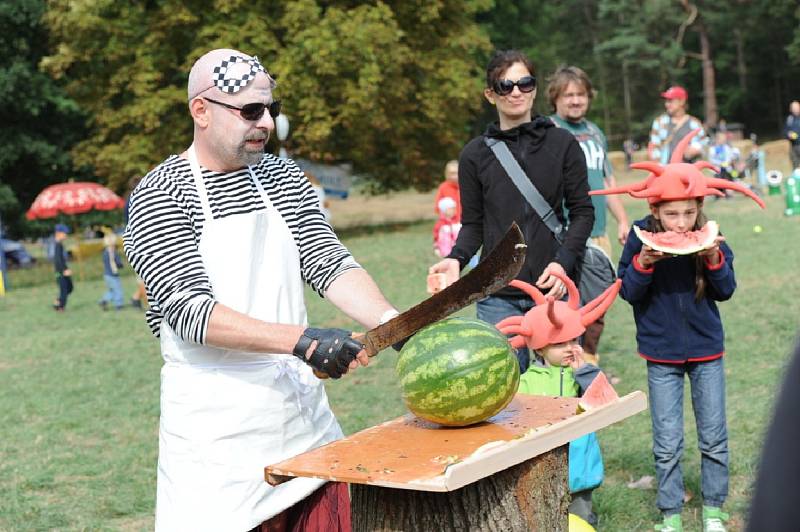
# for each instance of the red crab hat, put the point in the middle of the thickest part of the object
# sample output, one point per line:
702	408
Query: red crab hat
554	322
678	180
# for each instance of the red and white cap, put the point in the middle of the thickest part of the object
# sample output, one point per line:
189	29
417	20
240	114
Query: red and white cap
676	92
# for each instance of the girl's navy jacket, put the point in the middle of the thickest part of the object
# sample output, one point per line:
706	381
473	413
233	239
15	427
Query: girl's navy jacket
671	325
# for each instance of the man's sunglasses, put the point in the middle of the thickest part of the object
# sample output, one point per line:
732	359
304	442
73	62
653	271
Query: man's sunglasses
252	111
503	87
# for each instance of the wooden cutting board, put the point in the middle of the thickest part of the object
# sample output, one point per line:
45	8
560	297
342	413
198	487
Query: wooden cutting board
410	453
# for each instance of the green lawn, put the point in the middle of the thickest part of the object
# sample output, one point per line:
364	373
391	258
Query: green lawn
79	390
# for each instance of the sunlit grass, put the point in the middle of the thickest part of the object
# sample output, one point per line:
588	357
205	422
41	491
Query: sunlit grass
79	391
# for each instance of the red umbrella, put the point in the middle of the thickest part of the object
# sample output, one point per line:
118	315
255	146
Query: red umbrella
73	198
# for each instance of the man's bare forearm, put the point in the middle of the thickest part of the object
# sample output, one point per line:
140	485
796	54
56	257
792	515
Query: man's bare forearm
356	294
230	329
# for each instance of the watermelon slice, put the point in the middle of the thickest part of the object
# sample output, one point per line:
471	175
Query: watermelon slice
599	393
680	243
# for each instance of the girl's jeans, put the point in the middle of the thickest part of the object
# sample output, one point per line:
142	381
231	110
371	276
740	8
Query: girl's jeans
493	309
113	293
707	380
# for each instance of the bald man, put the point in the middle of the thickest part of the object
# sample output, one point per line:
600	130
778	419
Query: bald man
224	235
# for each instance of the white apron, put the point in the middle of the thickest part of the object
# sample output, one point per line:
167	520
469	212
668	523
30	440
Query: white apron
225	414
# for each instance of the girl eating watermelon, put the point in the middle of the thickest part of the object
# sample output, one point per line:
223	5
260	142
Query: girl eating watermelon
674	295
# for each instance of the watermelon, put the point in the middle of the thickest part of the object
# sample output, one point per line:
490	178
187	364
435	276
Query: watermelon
599	393
457	372
680	243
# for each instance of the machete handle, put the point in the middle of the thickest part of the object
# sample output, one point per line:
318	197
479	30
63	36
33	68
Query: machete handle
362	337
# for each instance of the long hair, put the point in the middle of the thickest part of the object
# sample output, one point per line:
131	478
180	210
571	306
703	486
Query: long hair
655	226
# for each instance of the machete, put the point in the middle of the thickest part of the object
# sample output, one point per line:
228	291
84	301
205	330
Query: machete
494	272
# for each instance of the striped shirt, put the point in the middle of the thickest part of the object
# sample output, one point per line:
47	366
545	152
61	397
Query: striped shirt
166	220
663	140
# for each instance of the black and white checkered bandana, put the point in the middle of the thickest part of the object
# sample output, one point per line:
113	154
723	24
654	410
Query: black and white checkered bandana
231	84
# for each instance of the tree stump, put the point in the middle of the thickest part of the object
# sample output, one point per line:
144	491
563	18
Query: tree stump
533	495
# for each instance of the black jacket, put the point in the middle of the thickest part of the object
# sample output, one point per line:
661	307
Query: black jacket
553	160
59	258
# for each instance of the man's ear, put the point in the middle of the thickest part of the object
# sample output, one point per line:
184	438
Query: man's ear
654	212
489	95
199	111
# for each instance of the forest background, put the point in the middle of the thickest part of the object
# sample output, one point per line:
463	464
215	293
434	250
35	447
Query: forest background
95	89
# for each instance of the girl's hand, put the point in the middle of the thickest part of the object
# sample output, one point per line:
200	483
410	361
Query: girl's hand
575	359
548	280
648	256
712	254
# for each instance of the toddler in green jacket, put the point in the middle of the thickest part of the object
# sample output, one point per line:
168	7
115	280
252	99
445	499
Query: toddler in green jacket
551	331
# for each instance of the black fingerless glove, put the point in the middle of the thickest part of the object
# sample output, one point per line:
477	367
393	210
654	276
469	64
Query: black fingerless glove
334	352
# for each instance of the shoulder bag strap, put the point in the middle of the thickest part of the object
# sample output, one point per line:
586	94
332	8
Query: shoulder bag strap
526	188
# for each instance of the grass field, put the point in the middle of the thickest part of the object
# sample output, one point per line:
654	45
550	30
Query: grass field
79	391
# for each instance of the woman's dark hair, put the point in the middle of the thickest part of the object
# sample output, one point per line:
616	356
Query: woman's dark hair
502	60
655	226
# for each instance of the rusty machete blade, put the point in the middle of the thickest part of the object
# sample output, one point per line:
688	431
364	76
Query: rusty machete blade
493	273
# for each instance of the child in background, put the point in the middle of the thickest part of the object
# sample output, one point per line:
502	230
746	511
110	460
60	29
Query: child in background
446	229
723	155
679	330
449	189
63	273
111	265
551	331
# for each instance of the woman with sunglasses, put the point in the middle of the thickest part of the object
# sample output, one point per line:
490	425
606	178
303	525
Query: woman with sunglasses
553	162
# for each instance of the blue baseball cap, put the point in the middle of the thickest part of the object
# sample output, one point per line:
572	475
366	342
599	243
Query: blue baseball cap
62	228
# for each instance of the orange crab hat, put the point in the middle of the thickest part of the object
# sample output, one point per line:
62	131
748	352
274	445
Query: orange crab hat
678	180
551	321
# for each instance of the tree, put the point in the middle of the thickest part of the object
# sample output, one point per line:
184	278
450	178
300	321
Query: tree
533	495
386	86
642	37
793	48
38	122
696	21
9	205
771	78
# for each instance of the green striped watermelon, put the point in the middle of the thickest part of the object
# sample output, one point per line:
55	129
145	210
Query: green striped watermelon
457	372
